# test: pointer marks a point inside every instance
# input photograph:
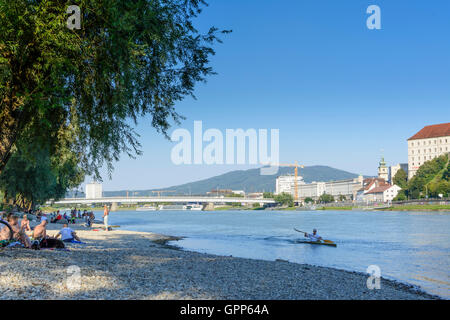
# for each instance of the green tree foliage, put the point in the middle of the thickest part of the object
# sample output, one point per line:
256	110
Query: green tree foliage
26	182
401	196
326	198
446	173
129	59
401	179
235	195
268	195
431	178
285	199
309	200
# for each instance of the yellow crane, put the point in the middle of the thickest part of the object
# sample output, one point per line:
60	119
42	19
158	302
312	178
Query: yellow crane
161	191
296	166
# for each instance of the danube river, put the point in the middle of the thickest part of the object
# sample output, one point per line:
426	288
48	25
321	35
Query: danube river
412	247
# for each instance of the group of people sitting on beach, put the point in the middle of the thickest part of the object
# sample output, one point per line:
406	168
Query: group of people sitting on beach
88	217
39	238
57	217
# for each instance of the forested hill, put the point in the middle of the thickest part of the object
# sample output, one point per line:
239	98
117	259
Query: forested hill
248	180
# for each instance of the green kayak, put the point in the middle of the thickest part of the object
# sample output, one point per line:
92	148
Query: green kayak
331	244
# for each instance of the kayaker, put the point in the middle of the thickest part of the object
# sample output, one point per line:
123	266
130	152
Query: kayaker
314	236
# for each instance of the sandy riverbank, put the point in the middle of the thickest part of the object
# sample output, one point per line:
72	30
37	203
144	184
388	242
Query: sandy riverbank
124	264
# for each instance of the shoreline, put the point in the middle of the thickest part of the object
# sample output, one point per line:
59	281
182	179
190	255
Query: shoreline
401	208
122	264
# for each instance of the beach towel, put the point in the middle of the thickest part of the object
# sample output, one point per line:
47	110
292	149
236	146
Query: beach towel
74	241
15	244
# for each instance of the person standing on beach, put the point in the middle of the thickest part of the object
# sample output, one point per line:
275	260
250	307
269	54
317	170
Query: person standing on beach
105	217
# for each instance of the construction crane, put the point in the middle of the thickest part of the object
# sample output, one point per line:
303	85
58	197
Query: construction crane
296	166
161	191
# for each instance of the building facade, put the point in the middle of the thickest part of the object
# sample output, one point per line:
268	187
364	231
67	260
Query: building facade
385	193
427	144
347	188
94	190
286	184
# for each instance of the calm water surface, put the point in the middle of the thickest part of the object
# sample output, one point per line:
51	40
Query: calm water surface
412	247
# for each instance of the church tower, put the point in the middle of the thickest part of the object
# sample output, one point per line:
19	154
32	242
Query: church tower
383	171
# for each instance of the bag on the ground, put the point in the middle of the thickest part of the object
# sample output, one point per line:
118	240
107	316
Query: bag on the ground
52	243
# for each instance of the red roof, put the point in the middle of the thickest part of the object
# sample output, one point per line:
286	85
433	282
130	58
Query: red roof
368	182
379	189
434	131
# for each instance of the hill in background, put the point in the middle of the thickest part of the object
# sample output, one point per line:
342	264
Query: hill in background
247	180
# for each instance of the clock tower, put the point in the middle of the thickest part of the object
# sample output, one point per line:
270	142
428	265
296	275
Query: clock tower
383	171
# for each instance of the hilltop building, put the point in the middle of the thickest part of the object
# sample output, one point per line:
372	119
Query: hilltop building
427	144
94	190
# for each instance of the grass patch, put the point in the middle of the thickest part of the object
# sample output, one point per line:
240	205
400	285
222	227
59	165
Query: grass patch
289	208
335	208
420	207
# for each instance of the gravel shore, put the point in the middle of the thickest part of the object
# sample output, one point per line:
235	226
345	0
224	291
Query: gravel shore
122	264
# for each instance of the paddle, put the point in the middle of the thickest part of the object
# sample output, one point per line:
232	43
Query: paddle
324	240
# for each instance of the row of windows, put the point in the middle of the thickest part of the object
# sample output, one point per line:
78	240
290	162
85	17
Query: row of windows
430	150
429	142
424	158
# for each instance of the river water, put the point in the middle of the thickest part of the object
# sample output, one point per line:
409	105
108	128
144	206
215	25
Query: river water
412	247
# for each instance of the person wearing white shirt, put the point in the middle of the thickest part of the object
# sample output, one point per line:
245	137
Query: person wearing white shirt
313	236
67	234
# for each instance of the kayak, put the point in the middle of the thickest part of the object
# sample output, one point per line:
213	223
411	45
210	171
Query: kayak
324	242
317	242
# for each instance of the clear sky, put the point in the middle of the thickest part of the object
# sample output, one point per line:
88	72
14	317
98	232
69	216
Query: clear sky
337	91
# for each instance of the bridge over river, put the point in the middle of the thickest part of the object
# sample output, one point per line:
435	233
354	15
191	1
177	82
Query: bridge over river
171	199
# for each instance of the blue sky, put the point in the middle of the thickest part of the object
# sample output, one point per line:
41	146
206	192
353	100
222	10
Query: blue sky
337	91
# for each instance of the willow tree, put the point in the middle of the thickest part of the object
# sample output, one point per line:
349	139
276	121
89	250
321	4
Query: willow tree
128	60
26	182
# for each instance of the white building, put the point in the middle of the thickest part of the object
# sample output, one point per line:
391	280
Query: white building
287	184
385	193
427	144
347	188
239	192
94	190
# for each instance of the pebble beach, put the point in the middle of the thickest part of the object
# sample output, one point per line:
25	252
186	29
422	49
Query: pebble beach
122	264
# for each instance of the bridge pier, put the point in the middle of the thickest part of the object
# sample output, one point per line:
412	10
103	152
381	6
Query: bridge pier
209	206
114	206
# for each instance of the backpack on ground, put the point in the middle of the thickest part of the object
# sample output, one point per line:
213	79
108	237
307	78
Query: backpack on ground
52	243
